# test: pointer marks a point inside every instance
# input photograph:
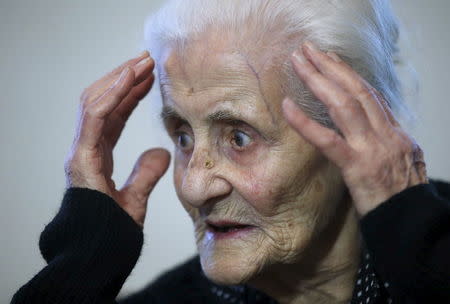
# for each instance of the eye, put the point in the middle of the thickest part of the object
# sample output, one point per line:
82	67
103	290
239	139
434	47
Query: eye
184	141
240	139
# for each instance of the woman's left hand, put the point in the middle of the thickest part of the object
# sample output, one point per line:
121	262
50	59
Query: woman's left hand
376	157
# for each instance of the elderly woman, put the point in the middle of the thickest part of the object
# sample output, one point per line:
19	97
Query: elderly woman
343	213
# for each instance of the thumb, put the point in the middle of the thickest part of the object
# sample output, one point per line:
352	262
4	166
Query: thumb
149	168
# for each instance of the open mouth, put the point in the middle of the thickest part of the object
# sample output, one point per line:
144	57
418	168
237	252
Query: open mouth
226	227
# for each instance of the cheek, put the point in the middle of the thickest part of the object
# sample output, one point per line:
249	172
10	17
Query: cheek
279	181
252	156
254	174
259	187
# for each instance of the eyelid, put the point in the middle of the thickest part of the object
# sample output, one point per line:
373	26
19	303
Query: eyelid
268	138
235	146
176	125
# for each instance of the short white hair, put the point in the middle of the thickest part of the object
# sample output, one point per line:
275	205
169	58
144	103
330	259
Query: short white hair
364	33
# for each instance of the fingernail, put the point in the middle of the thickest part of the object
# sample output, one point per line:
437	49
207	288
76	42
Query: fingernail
143	62
288	105
310	46
144	53
334	56
298	56
122	75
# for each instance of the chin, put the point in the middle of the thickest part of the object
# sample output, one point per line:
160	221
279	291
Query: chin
230	261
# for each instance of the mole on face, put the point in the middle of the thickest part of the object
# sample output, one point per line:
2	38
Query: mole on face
190	91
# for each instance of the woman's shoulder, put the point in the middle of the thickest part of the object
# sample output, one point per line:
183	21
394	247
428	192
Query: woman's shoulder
184	283
442	187
188	272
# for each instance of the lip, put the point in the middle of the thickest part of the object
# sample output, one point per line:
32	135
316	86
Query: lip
225	229
225	223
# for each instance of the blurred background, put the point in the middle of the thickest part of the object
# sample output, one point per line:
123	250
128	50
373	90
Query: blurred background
51	50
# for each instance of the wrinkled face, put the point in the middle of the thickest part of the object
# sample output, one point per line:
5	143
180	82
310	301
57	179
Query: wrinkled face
257	193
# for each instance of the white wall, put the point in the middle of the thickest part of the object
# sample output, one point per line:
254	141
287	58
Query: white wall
50	50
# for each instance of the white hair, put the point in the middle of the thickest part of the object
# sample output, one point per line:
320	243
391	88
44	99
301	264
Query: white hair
364	33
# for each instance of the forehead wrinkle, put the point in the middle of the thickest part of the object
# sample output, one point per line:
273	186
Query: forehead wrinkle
229	74
257	75
226	89
227	78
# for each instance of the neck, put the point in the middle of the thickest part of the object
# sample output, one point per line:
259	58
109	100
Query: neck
325	272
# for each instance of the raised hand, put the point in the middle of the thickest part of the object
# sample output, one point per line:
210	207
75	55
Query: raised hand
104	109
376	157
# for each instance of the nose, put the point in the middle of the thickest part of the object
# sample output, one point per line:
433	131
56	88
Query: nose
203	180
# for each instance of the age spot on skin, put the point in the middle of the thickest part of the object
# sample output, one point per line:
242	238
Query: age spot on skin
190	91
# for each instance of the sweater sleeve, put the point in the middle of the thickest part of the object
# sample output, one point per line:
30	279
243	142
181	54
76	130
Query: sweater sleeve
90	246
409	240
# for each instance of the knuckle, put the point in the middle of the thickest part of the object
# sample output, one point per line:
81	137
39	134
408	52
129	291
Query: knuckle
138	196
313	78
68	167
92	111
334	112
331	141
86	96
364	93
347	103
71	161
88	111
417	149
71	170
143	196
404	144
117	93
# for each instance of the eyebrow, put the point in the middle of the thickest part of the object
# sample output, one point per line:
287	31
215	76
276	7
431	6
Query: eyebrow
169	113
224	116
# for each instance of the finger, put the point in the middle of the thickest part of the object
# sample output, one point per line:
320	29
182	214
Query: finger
131	62
326	140
94	115
381	99
143	69
107	79
138	93
117	120
149	168
387	109
351	81
112	97
347	113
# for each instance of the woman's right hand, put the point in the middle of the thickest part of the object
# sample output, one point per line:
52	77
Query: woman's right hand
104	109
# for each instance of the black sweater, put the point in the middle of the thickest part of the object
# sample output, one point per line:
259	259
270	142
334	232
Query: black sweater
92	245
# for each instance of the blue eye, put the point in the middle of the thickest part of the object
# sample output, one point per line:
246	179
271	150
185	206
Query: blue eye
240	139
184	141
